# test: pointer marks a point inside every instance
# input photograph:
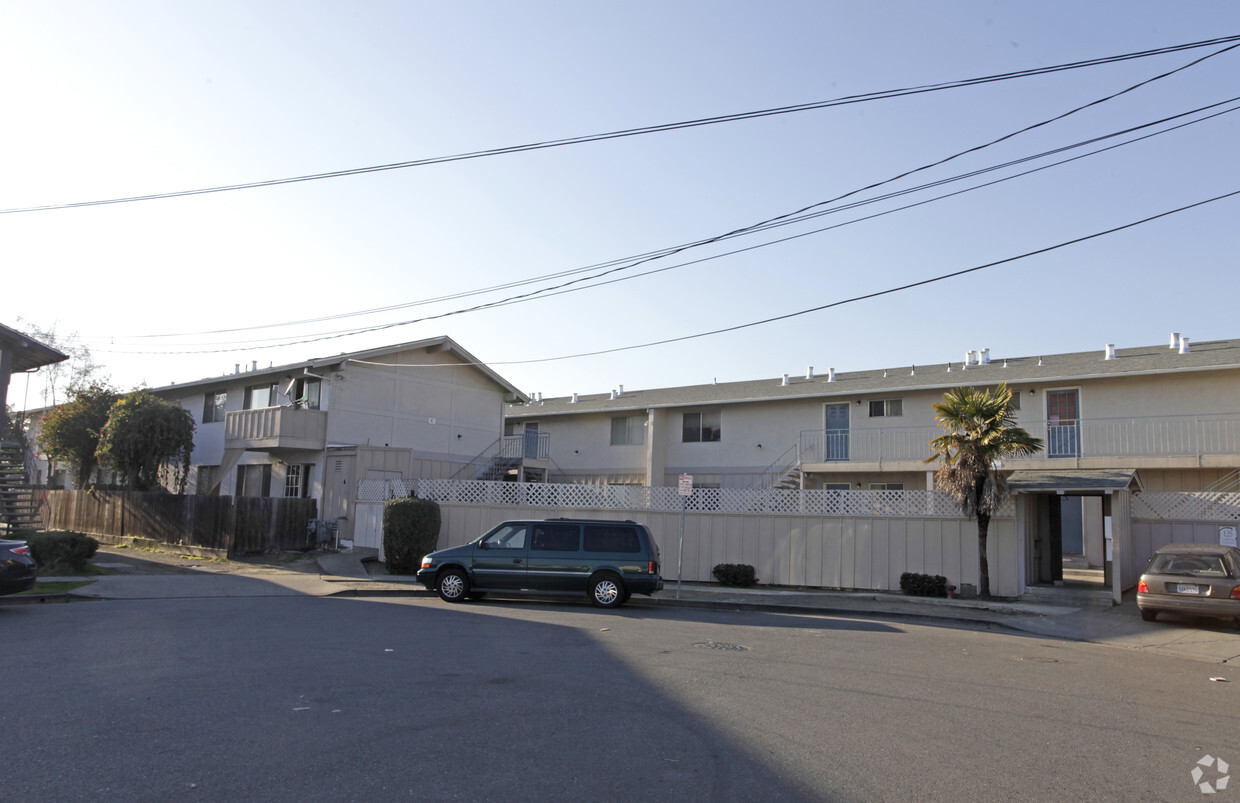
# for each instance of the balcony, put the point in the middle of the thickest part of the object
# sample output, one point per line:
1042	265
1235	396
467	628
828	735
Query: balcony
1167	441
275	428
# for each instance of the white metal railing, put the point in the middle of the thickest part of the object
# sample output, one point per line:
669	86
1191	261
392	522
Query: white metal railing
914	504
1162	436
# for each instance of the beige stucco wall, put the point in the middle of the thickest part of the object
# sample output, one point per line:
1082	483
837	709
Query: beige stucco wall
422	407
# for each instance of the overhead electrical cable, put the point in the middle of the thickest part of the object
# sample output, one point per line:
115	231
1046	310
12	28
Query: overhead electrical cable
566	288
866	296
786	316
628	263
728	118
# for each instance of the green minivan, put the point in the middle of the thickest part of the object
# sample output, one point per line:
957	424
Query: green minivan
607	560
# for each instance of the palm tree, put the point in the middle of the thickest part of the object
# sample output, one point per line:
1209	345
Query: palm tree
982	431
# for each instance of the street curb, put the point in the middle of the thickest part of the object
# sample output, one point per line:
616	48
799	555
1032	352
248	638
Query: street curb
35	599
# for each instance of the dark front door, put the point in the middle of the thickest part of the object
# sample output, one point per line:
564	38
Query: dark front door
531	441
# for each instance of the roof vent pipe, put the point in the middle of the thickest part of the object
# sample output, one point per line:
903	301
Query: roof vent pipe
1110	351
809	372
1175	340
621	391
785	380
236	368
574	401
983	356
968	359
1184	345
830	374
254	365
913	372
613	393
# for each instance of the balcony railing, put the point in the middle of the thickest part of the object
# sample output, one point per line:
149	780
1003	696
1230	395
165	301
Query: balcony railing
1165	436
530	446
275	428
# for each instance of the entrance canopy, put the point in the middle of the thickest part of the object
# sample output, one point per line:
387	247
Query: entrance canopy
1074	481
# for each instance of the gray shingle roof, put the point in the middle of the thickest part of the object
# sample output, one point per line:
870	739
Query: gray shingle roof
1204	356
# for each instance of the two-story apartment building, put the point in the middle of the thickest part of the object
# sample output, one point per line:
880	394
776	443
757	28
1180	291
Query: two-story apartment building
1158	418
319	427
1171	411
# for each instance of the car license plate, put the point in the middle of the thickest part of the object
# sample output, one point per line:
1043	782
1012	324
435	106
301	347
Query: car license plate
1185	588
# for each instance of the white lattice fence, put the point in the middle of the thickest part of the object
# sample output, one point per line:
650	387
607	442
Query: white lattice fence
876	504
381	490
1187	506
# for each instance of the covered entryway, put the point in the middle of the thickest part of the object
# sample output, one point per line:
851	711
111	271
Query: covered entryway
1073	523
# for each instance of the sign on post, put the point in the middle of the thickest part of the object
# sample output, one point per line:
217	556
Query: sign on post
685	489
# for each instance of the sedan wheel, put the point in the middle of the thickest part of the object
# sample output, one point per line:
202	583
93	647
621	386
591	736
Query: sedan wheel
606	591
453	586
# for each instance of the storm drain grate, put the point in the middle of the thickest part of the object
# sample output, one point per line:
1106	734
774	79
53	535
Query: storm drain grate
719	645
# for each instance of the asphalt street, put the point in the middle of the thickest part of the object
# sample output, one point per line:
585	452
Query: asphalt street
298	696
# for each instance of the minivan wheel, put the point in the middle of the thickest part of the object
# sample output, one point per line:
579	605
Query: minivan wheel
606	591
453	586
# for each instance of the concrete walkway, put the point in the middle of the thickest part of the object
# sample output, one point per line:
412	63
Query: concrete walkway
354	573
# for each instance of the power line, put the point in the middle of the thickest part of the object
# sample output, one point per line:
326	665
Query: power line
628	263
728	118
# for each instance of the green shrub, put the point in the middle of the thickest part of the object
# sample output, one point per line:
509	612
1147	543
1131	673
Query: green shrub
923	585
734	574
61	552
410	530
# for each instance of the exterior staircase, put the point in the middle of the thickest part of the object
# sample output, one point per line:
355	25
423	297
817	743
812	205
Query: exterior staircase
18	510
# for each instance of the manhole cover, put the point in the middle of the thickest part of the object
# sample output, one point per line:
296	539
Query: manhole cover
718	645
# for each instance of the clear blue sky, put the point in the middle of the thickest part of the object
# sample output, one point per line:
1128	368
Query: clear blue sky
107	100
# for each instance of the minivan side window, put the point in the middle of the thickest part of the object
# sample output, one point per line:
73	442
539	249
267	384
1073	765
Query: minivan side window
511	536
556	538
610	538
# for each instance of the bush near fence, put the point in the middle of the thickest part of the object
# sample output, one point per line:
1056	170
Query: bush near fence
229	524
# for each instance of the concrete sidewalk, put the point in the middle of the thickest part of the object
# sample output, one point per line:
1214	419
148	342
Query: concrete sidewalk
1119	626
354	573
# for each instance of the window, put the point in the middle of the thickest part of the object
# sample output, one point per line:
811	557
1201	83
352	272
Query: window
254	480
886	486
511	536
629	430
208	479
213	407
886	408
702	427
307	393
297	481
556	538
612	538
259	396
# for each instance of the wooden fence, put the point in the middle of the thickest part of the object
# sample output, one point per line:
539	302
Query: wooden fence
229	524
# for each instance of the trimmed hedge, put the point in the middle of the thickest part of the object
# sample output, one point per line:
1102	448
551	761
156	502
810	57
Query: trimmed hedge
923	585
61	552
735	574
410	530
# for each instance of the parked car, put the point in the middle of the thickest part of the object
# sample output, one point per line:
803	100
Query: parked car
607	560
1191	579
17	569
